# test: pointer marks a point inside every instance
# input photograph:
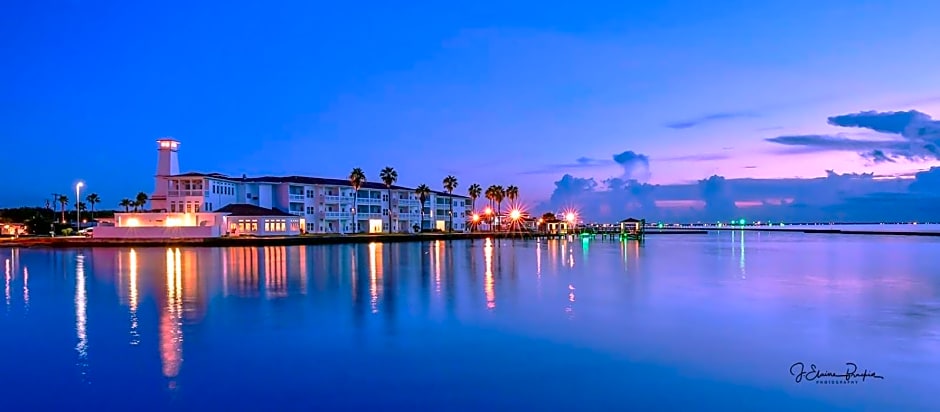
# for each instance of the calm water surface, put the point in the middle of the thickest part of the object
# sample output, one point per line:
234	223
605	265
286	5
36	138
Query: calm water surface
697	322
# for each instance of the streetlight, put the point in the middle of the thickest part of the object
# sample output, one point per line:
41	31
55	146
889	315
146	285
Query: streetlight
78	210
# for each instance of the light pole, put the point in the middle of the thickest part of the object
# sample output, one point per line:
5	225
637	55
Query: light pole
78	210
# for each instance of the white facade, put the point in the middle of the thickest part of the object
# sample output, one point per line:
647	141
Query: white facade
326	205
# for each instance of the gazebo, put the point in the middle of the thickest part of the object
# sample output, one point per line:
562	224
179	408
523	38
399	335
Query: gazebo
631	228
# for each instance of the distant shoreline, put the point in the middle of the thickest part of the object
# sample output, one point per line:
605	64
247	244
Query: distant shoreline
79	242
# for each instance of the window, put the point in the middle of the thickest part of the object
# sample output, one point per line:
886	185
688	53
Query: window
172	207
196	207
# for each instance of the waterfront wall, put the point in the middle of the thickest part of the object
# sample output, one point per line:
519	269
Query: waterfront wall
156	232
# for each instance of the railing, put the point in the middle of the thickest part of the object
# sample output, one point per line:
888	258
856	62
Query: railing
332	199
336	215
180	193
369	200
296	198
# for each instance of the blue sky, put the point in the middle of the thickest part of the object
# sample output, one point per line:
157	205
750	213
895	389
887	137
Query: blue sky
496	94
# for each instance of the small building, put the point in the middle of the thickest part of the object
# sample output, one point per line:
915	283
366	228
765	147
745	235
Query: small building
632	228
242	219
557	228
12	229
161	225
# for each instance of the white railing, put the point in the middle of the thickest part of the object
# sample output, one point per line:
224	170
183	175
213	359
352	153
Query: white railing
180	193
368	201
336	215
332	199
296	198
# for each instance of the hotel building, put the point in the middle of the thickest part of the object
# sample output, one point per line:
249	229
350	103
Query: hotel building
324	205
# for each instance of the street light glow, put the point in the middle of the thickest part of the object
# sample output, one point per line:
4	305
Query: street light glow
488	211
476	218
78	201
570	217
515	214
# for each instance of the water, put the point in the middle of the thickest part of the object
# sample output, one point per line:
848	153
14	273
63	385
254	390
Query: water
690	322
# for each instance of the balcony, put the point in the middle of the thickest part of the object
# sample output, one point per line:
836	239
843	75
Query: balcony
296	198
182	193
332	199
336	215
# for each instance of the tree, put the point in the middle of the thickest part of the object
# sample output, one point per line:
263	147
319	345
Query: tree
474	191
357	178
63	200
500	193
450	183
491	196
126	204
140	201
92	200
389	176
424	194
512	192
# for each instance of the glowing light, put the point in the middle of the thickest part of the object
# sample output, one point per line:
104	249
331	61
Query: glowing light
132	222
488	211
476	218
515	214
570	217
173	222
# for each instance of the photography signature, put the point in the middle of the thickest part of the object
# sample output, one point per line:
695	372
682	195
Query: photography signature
851	374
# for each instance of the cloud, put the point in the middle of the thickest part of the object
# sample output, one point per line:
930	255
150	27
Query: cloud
685	124
835	197
695	157
635	166
580	163
878	156
912	135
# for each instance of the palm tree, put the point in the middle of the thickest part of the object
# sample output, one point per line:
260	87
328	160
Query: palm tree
424	193
512	193
450	183
389	176
64	201
140	200
500	194
491	196
356	178
92	199
126	204
474	191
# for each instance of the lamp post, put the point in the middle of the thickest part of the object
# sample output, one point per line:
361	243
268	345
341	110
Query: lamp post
78	210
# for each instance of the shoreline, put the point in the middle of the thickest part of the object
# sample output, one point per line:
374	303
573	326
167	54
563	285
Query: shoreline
81	242
827	231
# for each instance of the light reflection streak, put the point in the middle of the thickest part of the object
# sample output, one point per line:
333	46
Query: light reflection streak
489	283
171	333
538	258
132	300
437	266
81	314
373	277
26	289
8	279
741	261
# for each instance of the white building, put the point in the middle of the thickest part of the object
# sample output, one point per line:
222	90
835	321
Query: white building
324	205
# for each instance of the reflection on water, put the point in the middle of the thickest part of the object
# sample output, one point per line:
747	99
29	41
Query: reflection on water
669	304
133	296
81	313
489	283
171	319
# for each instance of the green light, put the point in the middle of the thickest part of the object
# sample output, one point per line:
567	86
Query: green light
660	225
741	222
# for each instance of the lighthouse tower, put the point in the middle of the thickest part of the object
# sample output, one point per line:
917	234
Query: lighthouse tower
168	164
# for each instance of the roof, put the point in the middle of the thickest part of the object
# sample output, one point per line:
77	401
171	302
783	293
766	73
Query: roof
630	220
242	209
307	180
